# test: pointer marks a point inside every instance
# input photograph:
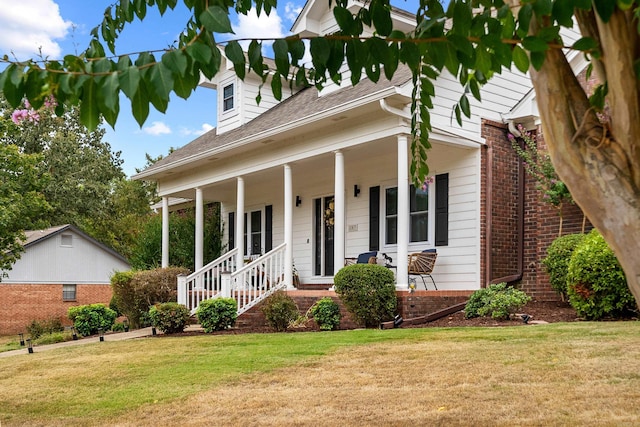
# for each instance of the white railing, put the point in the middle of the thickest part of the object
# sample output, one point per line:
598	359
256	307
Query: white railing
205	283
257	280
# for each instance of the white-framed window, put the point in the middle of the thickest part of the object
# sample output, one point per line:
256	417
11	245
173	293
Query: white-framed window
69	292
420	215
228	97
66	240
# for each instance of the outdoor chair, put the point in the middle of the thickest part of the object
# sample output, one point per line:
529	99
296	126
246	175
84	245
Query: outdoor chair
421	264
363	258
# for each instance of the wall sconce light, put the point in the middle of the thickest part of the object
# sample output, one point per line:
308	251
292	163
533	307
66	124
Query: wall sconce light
29	345
298	201
21	339
101	334
356	190
74	334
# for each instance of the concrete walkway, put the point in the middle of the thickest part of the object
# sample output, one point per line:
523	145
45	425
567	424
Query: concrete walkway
117	336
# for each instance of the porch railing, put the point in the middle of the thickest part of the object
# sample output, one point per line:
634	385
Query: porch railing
205	283
257	280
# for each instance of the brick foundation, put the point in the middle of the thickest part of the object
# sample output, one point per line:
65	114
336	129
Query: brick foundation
23	303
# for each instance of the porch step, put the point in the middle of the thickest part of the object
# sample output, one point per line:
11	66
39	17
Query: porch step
314	286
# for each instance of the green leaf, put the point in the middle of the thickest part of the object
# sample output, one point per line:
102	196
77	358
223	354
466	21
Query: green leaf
599	95
320	52
381	18
475	89
256	61
129	80
605	9
520	59
233	52
462	15
585	44
344	18
563	12
175	60
625	4
89	114
199	52
534	44
140	105
216	20
13	89
183	85
162	80
276	86
524	19
542	7
34	87
537	59
109	91
464	105
296	49
281	52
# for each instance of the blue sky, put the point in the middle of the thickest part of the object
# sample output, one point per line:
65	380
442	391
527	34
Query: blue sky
60	27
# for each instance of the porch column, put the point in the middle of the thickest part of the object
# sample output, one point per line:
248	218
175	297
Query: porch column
339	213
288	227
402	279
240	223
199	229
165	232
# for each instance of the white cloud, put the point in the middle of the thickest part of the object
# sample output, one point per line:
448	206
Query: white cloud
264	27
157	129
206	127
29	27
291	11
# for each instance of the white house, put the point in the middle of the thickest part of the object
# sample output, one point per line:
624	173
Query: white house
323	176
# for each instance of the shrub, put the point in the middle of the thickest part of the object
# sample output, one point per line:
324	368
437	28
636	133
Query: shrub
217	314
38	328
326	313
87	319
556	262
118	326
53	338
136	292
497	301
169	317
596	284
368	292
280	310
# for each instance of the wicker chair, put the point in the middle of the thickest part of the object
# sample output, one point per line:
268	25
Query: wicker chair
421	264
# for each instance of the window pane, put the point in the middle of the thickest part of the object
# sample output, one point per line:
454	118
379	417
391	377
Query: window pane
419	227
391	230
419	200
68	292
391	201
227	98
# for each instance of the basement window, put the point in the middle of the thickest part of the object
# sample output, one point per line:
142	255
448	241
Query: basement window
68	292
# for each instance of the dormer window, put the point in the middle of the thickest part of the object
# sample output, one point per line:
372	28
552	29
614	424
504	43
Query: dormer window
227	98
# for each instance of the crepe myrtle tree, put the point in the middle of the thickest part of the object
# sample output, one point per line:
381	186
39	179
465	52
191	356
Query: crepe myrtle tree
471	39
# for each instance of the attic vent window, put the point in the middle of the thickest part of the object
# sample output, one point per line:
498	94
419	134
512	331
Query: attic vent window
227	98
66	240
68	292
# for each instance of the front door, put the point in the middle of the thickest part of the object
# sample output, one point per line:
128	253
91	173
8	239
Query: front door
323	236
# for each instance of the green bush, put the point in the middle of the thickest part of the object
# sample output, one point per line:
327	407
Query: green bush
87	319
498	301
326	313
118	326
38	328
217	314
556	262
136	292
368	292
596	284
280	310
169	317
53	338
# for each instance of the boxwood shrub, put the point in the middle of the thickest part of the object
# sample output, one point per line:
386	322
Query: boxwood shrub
596	284
326	313
368	292
169	317
217	314
87	319
498	301
280	310
556	262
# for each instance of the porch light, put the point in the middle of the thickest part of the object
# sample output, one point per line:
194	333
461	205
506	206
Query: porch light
29	345
298	201
356	190
101	334
21	339
74	334
125	322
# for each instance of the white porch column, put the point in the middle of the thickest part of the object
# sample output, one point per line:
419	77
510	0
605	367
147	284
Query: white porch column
199	238
338	213
240	223
288	227
402	279
165	232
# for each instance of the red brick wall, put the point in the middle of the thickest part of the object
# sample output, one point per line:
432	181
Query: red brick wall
20	304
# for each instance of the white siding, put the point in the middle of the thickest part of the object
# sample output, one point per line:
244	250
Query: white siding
51	263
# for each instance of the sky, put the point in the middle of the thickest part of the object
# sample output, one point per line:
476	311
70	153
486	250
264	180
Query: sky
54	28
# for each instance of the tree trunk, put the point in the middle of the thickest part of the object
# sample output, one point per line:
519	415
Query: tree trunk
599	163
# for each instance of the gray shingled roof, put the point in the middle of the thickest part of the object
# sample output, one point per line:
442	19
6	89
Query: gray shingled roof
302	104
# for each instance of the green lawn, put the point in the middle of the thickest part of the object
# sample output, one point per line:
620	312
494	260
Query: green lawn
125	382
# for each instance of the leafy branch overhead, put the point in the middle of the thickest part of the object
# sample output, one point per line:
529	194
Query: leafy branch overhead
472	40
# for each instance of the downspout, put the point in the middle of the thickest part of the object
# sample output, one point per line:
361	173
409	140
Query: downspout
511	279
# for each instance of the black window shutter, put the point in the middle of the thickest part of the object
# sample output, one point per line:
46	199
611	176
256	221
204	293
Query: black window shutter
268	228
442	209
232	230
374	218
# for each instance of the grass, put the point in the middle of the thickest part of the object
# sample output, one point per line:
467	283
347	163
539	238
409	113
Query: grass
558	374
